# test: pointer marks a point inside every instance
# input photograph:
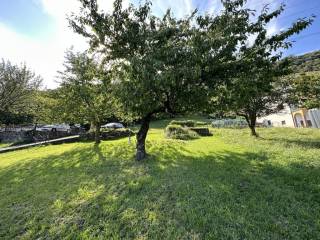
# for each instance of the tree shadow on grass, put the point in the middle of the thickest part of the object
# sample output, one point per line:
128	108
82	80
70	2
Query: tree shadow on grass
302	142
100	192
301	138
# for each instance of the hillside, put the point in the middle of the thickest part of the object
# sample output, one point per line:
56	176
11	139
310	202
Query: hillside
309	62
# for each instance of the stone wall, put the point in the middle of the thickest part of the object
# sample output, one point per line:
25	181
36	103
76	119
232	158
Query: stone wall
12	136
30	136
108	135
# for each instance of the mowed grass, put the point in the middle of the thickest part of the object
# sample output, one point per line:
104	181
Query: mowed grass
229	186
3	145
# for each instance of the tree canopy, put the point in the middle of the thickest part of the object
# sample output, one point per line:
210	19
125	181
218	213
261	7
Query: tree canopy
163	64
304	89
17	85
85	91
258	89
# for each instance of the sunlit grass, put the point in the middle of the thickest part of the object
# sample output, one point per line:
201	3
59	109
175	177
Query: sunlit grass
229	186
3	145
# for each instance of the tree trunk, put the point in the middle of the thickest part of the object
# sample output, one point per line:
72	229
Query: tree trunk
141	138
251	120
35	128
253	131
97	133
92	127
34	131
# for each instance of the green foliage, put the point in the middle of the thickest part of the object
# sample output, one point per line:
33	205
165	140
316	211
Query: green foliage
8	118
304	83
17	85
304	89
179	132
265	188
85	91
45	107
149	56
158	63
309	62
258	89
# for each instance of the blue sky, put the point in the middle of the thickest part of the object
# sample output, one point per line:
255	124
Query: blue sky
36	31
26	17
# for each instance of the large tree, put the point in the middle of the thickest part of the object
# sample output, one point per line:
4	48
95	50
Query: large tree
162	64
85	91
257	90
17	85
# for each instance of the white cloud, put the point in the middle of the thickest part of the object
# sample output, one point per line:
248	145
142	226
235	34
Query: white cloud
107	5
180	8
46	56
272	27
214	7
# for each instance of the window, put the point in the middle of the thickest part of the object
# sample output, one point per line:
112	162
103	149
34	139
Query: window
302	123
269	123
309	123
283	123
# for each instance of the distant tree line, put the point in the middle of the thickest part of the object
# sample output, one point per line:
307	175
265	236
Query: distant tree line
304	81
309	62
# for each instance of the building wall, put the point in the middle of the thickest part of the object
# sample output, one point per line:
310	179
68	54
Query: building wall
314	115
280	119
299	118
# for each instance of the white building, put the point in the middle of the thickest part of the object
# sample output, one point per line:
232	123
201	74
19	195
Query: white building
293	117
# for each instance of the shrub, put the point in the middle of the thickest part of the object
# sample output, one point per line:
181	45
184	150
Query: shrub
179	132
187	123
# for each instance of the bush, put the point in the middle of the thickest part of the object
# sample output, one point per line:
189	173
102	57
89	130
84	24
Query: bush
179	132
188	123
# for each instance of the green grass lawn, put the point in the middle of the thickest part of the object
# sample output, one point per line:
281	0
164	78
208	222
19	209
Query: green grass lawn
229	186
3	145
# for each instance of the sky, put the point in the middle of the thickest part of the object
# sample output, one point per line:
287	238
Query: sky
36	32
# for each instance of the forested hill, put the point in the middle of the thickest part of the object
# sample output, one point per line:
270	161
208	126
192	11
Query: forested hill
309	62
